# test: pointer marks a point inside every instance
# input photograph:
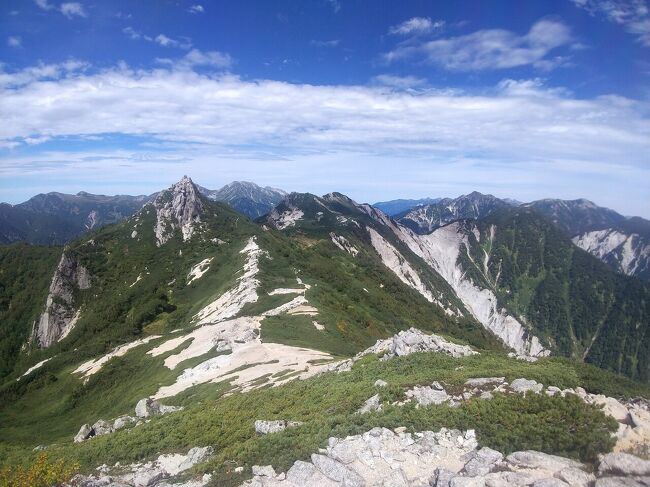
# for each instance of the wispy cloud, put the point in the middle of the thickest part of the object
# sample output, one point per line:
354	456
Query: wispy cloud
331	43
335	4
69	9
633	15
196	9
161	39
196	58
400	82
44	5
166	41
14	41
417	25
490	49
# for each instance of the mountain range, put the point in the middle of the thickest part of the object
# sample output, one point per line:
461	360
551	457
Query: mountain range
187	303
56	218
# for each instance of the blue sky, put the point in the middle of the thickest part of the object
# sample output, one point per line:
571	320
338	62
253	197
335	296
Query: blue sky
379	100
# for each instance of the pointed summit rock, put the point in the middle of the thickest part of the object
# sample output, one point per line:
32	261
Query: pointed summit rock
178	208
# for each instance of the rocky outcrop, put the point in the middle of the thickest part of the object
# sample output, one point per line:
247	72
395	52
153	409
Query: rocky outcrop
161	472
447	458
102	427
404	343
178	208
61	311
441	250
413	341
344	244
285	216
628	253
263	427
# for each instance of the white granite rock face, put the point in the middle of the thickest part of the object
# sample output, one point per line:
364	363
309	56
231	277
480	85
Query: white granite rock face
61	313
413	341
447	458
178	208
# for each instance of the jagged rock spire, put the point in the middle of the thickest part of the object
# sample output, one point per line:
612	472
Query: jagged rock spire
179	207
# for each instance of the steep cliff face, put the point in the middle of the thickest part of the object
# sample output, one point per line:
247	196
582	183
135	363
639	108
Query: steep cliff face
61	312
627	253
441	250
178	208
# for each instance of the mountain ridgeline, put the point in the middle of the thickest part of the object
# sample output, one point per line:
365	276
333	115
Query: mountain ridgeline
57	218
622	243
189	302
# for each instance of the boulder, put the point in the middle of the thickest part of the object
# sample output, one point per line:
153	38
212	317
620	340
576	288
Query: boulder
539	460
550	482
524	385
263	427
508	479
148	477
613	408
481	462
483	381
146	407
442	477
304	473
428	395
623	464
337	471
195	456
122	422
380	383
575	477
372	404
84	433
102	427
264	471
619	482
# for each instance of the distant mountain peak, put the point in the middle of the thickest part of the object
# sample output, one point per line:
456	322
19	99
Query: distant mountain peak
179	207
426	218
246	197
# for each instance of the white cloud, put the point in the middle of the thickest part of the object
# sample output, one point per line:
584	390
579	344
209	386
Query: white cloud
417	25
161	39
196	58
489	49
42	72
633	15
335	4
70	9
400	82
44	4
165	41
14	41
196	9
519	139
134	34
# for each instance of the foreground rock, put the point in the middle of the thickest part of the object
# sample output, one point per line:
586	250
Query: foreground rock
160	472
447	458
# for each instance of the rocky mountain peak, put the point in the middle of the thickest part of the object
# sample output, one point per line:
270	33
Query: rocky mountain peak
177	208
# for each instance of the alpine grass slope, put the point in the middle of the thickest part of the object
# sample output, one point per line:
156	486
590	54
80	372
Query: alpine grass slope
192	304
